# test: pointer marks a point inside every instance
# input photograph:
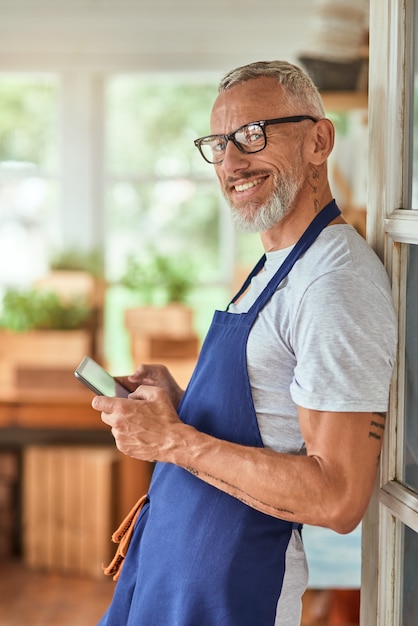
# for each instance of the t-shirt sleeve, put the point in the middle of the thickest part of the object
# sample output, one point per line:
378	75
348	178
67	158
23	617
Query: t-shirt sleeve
344	340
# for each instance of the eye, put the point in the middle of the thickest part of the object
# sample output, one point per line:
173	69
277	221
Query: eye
217	144
251	135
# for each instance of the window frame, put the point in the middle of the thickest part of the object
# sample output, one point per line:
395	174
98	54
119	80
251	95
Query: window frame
391	226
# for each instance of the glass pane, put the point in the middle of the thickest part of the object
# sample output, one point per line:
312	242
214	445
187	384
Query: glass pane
151	125
28	120
162	197
175	218
410	578
29	190
28	227
411	372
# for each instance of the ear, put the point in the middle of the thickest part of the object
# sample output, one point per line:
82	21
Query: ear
321	141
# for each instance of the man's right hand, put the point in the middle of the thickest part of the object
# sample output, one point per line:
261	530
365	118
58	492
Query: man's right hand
154	375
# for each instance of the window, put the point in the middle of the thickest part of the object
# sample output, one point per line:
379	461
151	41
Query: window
92	162
161	197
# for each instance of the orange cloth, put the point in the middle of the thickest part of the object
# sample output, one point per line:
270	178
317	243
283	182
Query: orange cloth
122	536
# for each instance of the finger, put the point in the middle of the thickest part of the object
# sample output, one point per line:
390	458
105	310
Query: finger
145	392
127	382
104	403
107	418
141	371
149	374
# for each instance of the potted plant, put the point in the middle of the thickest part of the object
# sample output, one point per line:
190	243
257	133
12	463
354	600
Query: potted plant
39	328
162	285
39	309
161	329
159	280
75	260
76	273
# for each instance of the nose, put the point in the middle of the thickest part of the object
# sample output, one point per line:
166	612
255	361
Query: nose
234	159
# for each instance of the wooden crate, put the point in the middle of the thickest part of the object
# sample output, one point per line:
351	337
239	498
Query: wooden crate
149	348
164	335
68	508
46	377
172	320
40	348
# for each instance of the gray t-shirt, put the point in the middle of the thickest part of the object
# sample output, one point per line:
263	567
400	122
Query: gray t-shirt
326	341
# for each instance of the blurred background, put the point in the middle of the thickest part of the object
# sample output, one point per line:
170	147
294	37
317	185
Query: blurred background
100	103
112	227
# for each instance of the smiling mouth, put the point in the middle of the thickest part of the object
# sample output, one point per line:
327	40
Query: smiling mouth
248	184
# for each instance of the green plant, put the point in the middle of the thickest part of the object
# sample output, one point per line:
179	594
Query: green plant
160	280
78	260
37	309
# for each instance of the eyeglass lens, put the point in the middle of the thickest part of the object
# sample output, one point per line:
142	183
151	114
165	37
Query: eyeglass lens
249	138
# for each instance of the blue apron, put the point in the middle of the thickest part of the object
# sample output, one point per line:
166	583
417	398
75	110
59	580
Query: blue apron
199	557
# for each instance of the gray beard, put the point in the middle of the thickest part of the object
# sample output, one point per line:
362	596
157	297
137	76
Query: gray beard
268	214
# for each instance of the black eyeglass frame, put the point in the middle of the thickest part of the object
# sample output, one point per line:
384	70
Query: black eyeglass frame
261	123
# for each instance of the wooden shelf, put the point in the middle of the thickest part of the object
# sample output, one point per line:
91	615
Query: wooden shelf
340	101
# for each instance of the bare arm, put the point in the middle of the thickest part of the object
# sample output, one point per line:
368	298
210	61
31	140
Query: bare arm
330	486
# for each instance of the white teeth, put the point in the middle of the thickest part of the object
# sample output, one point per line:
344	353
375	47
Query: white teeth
248	185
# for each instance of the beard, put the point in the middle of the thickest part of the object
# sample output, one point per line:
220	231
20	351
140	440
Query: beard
259	218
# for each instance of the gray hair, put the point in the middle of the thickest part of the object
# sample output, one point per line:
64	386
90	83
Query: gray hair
299	87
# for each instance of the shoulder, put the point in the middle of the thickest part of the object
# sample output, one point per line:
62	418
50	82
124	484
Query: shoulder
340	259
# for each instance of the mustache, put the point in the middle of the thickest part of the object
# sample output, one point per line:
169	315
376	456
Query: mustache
230	180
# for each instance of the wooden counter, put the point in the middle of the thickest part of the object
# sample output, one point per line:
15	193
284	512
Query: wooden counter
33	413
48	408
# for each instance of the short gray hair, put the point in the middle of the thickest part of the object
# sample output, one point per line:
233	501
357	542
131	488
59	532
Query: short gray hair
299	87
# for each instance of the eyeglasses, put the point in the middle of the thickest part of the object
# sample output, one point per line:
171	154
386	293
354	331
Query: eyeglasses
249	138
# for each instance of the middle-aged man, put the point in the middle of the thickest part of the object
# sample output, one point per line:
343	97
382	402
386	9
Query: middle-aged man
283	419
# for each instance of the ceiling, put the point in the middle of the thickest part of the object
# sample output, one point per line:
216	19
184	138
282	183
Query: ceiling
145	35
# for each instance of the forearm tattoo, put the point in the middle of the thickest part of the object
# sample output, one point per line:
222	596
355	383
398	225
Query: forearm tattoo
239	494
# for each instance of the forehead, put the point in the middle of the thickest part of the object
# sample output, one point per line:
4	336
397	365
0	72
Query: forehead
256	99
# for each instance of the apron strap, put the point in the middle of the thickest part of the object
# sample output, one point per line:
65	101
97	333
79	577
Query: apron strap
328	213
256	270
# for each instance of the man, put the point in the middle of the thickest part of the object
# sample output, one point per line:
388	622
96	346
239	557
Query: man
283	419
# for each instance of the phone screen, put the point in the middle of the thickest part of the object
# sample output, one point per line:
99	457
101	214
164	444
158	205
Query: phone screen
96	378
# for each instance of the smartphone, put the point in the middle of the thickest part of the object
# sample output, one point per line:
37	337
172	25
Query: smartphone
96	378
